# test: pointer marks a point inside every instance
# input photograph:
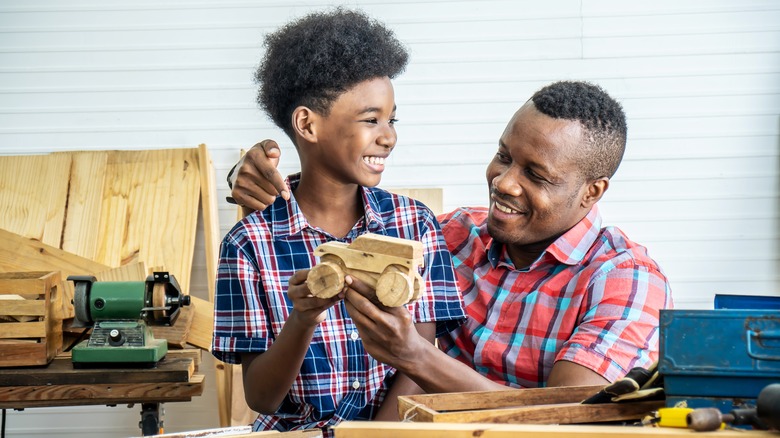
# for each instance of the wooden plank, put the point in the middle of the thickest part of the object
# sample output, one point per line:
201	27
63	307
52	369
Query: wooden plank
152	198
431	197
461	401
18	253
18	353
20	397
22	307
202	329
85	191
379	429
240	413
192	353
31	329
61	372
237	432
531	406
563	413
208	201
33	195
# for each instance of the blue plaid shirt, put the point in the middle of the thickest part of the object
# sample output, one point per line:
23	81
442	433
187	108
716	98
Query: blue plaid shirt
338	379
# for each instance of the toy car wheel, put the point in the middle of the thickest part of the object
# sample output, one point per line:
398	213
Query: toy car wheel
394	287
326	279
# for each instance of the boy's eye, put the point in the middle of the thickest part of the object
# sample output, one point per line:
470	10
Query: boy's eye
393	121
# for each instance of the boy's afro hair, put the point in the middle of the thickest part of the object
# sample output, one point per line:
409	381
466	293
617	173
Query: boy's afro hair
314	59
601	117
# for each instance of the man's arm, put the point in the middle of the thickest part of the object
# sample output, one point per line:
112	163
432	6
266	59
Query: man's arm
389	336
565	373
254	181
403	385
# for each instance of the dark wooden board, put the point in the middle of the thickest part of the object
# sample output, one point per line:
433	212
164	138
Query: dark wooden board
61	372
20	397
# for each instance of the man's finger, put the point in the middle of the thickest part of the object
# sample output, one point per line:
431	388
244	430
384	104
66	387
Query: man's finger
267	165
362	311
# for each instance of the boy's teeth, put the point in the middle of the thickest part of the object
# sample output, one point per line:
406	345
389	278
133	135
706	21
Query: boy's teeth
374	160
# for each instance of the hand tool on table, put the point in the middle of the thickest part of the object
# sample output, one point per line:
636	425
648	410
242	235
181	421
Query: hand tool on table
766	414
119	313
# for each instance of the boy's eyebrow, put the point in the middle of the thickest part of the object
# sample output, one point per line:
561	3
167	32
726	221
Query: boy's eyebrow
373	109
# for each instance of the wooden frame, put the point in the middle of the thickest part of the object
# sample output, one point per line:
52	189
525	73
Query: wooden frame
530	406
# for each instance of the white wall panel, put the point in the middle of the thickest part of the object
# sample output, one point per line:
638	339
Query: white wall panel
699	80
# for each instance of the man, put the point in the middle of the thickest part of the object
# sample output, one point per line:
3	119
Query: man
551	297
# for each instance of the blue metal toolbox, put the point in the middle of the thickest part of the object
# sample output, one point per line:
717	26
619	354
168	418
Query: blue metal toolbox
719	354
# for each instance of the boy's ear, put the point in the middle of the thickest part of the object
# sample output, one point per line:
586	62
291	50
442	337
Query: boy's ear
304	123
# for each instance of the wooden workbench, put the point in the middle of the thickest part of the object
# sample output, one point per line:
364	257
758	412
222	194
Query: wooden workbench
378	429
175	379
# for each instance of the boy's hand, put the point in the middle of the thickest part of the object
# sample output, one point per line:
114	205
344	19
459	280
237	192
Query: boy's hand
307	309
388	333
256	182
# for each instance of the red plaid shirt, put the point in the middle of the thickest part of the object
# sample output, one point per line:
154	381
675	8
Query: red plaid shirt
592	298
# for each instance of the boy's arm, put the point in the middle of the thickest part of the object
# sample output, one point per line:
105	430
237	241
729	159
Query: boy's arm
403	385
268	376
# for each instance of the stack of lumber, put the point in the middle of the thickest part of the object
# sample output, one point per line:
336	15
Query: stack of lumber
116	215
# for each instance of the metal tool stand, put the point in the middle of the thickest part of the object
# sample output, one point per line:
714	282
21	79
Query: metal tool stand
151	419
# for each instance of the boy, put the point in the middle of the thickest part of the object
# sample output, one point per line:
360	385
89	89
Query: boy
325	80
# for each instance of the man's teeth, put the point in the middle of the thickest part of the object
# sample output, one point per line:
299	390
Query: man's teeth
374	160
505	209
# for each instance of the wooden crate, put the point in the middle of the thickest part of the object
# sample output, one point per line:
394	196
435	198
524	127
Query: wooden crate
30	318
528	406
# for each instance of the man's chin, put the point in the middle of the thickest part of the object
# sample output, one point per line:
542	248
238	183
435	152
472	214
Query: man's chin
497	232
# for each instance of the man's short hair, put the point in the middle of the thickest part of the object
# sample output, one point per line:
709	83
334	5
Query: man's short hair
601	117
311	61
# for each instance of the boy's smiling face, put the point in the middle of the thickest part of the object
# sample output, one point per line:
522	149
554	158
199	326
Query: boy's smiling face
357	136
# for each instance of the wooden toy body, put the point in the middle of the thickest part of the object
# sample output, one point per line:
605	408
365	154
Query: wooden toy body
387	264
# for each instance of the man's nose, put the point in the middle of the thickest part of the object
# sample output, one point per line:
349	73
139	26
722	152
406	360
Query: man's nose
508	182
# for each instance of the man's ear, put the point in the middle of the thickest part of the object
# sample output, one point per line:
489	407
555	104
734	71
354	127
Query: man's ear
304	123
595	191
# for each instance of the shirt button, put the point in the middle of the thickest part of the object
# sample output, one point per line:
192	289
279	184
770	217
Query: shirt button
356	384
354	336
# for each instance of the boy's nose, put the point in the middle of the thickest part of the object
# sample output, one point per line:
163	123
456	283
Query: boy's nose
387	138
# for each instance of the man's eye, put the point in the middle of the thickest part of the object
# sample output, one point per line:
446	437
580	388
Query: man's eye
502	157
534	175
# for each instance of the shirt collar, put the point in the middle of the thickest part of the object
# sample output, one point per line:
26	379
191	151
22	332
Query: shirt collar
571	248
288	219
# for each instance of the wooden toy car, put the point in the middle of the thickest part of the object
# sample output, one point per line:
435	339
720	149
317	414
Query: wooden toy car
388	264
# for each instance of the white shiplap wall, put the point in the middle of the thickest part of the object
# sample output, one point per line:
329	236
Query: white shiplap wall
700	82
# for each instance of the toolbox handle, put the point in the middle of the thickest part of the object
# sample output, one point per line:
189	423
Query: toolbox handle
763	336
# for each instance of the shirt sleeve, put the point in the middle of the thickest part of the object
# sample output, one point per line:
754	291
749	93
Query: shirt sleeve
240	324
441	301
619	327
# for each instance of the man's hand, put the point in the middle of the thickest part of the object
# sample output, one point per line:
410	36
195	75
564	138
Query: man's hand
388	333
307	309
255	180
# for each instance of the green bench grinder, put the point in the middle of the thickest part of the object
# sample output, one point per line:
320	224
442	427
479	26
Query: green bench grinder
119	313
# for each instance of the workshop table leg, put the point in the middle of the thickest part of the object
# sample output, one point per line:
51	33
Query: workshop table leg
151	422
